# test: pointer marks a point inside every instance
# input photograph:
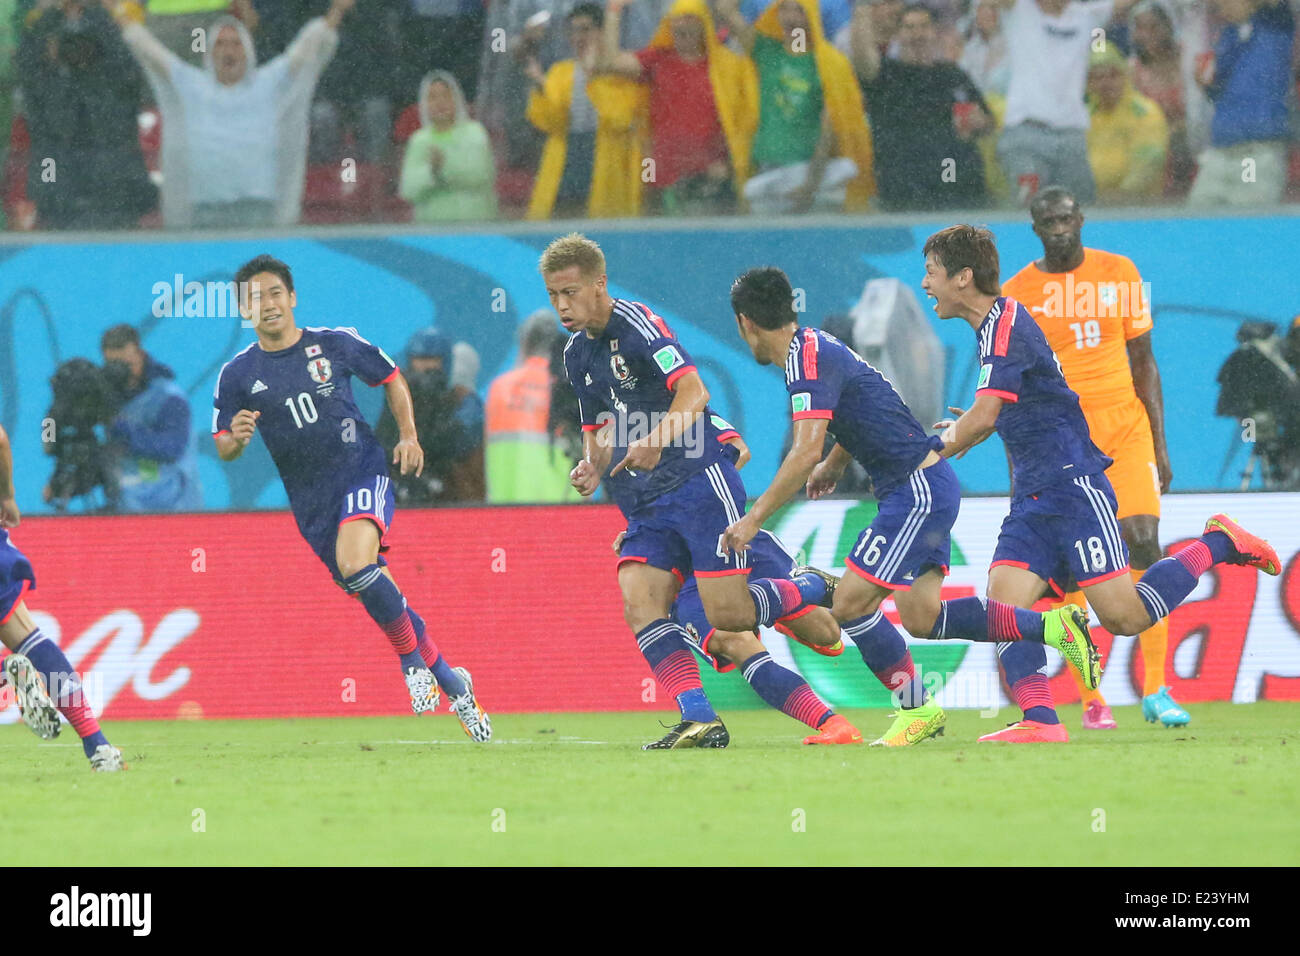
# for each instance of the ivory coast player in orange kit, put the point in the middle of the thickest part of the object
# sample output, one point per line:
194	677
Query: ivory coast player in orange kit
1096	316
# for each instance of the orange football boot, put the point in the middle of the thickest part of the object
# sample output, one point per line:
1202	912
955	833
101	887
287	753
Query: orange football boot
1254	551
836	730
1028	732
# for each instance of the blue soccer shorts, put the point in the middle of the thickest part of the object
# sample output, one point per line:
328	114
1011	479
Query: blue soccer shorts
769	559
16	577
1067	535
319	518
912	530
681	530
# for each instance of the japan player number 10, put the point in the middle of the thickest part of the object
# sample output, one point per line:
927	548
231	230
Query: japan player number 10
307	407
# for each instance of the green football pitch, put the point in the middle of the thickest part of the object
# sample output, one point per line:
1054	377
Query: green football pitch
577	789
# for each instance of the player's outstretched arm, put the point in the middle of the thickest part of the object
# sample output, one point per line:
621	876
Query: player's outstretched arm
407	452
971	427
804	454
231	444
1146	380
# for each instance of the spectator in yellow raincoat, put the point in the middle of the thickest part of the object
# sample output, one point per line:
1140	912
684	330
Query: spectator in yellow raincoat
703	108
592	161
810	107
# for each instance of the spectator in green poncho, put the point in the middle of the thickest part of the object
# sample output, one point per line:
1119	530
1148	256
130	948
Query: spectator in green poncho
448	171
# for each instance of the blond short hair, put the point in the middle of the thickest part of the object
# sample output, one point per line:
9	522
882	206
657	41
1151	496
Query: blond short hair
574	249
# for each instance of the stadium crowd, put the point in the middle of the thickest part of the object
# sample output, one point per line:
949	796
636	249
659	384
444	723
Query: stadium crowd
191	113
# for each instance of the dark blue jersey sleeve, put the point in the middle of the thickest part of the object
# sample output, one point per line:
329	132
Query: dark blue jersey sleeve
812	378
653	343
226	400
589	406
366	361
1004	358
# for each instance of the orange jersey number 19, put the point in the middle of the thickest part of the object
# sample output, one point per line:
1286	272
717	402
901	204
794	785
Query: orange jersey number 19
1088	316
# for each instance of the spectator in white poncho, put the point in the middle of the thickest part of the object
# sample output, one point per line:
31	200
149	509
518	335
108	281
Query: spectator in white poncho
234	148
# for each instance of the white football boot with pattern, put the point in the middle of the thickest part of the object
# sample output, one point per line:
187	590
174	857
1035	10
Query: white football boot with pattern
423	688
106	758
473	718
38	711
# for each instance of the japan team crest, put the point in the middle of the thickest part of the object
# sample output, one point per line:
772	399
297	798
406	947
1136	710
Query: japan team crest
319	370
618	365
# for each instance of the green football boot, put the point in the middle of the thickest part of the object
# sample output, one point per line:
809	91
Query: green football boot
912	726
1066	629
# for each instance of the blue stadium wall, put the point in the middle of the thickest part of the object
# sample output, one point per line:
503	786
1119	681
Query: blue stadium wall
58	295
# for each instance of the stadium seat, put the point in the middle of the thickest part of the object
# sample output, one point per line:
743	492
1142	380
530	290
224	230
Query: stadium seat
20	212
408	121
329	199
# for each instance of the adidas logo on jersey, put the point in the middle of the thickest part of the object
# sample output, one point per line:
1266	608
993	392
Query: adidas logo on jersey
258	386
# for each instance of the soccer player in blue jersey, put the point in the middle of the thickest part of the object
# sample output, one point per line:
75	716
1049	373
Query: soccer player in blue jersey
294	386
1062	528
629	371
906	549
813	626
37	666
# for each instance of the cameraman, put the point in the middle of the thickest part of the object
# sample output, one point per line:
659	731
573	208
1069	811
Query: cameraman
449	421
1260	383
83	406
155	460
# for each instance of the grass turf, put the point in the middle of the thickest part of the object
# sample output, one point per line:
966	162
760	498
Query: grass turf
576	789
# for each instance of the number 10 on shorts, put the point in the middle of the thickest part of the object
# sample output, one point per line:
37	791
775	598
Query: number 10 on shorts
1094	556
364	500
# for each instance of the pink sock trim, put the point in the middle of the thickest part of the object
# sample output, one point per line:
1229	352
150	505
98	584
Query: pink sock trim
1032	691
804	706
80	716
1196	558
428	651
678	673
1002	622
791	599
401	634
901	672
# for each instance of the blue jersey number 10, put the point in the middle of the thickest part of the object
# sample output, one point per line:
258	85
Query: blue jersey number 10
306	405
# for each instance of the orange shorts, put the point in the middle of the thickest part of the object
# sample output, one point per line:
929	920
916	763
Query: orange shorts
1124	433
